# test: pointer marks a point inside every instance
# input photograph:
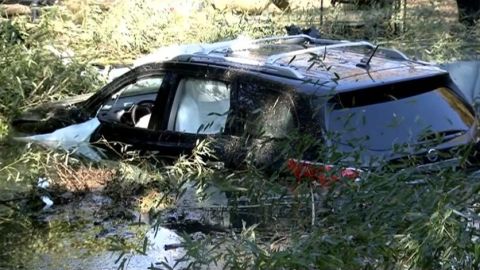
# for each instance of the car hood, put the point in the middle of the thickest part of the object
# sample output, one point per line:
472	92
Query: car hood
51	116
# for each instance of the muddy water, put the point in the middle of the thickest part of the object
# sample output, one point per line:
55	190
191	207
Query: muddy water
91	231
85	234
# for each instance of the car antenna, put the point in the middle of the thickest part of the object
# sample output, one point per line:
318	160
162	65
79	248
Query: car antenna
365	63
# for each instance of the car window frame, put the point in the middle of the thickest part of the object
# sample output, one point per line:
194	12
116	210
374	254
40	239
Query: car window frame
92	104
161	118
157	137
430	82
121	88
177	105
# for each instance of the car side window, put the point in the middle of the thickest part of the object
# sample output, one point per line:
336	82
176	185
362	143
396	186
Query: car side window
140	87
200	106
132	104
265	112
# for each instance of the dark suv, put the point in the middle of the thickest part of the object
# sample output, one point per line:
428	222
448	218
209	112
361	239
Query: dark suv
309	103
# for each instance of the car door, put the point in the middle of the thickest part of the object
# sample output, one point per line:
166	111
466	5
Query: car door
192	104
125	106
240	114
266	117
198	107
237	112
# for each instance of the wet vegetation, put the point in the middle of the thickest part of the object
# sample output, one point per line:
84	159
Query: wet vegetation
390	219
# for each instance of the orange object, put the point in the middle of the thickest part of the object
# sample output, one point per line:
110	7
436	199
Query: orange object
324	174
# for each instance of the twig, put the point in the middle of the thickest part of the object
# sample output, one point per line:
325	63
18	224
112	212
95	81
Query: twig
12	200
313	205
173	246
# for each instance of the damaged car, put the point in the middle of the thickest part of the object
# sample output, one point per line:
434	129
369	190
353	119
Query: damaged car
308	104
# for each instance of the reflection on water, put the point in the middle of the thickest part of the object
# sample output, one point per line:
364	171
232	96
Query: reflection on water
80	235
93	231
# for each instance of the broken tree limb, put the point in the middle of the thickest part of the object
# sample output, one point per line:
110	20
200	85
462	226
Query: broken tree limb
9	10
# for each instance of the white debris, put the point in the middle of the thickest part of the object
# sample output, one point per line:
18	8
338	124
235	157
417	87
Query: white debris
43	182
71	138
47	201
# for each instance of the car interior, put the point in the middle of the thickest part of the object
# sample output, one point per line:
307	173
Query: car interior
133	104
200	106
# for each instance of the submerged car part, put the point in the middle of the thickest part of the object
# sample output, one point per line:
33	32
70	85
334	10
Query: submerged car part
260	102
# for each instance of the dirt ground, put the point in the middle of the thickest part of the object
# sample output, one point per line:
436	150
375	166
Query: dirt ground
448	8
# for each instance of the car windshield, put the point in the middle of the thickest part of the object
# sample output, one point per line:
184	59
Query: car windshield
381	120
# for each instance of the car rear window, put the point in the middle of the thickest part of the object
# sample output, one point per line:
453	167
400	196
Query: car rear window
385	117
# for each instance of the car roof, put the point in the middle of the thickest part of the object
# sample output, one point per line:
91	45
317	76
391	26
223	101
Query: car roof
331	64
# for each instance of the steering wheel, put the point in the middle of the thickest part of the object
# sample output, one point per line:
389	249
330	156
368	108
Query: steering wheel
141	109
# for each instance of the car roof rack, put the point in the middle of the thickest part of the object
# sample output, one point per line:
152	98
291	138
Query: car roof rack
283	71
212	54
390	53
232	46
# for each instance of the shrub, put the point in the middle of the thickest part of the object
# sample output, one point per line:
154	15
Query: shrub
33	71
